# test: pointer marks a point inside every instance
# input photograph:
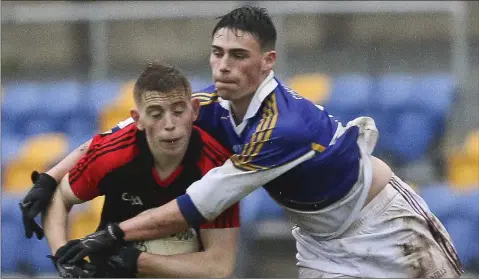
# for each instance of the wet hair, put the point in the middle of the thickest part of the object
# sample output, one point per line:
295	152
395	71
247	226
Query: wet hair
253	20
160	78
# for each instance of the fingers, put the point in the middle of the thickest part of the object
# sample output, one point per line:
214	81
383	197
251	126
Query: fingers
28	227
79	256
37	229
35	209
29	223
62	250
70	253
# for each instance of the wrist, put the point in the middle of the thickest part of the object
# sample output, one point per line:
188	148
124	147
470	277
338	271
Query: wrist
47	181
116	232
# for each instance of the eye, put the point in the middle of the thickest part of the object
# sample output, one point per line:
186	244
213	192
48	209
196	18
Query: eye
179	111
216	52
239	56
156	114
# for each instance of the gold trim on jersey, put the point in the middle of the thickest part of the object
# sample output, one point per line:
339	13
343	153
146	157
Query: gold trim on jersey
205	98
261	135
318	147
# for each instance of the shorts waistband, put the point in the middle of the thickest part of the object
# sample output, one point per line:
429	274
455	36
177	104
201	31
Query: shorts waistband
376	206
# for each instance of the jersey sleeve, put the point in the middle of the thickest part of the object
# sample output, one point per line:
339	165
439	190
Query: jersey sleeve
106	152
230	218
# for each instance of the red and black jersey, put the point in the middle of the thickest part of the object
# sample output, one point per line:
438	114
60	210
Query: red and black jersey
120	166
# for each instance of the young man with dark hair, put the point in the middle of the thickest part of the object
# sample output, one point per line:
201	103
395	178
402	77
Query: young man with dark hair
143	163
353	217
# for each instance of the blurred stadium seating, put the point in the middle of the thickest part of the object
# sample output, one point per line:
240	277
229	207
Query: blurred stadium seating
43	121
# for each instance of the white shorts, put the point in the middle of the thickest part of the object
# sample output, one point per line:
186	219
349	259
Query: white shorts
395	235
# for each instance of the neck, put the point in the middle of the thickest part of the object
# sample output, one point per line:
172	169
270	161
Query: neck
165	165
239	107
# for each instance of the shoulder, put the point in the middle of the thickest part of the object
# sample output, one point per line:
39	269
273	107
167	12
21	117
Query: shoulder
213	154
206	96
114	148
293	117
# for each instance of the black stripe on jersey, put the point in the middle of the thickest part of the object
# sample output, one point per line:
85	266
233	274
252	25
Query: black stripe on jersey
214	158
211	157
114	141
118	141
93	159
221	156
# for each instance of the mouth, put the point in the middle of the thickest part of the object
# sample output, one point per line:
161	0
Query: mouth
171	141
225	81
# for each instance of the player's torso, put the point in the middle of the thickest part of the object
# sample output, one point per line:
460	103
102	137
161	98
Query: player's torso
135	186
328	175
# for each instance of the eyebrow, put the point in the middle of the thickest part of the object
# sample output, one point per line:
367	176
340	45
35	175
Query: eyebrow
152	107
231	49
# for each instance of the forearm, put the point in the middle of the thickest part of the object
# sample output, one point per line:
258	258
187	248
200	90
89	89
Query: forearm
55	222
207	201
65	165
199	265
155	223
223	186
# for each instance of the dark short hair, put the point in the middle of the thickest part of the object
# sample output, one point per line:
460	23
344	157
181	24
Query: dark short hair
161	78
253	20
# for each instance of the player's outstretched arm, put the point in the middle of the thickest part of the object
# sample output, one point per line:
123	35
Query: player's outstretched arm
205	200
217	261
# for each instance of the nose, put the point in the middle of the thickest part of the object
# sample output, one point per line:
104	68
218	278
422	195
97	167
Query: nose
224	64
169	122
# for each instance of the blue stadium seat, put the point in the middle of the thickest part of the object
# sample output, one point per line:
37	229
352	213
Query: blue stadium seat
19	103
13	236
60	98
435	92
465	237
406	127
441	199
350	96
39	125
37	256
11	144
412	135
81	128
101	93
259	206
394	92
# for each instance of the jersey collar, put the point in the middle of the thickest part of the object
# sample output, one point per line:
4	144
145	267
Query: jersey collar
264	89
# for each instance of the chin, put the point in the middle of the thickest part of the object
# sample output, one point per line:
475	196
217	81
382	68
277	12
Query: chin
225	94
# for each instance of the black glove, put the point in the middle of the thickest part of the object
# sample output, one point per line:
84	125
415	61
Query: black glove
79	269
106	241
36	201
122	264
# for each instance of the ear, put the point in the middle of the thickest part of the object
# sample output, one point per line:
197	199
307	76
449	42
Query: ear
136	116
195	105
269	59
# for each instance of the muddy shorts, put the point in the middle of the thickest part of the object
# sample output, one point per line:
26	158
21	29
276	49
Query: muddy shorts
395	236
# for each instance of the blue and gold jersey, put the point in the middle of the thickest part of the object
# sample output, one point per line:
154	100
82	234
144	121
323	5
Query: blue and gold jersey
285	127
